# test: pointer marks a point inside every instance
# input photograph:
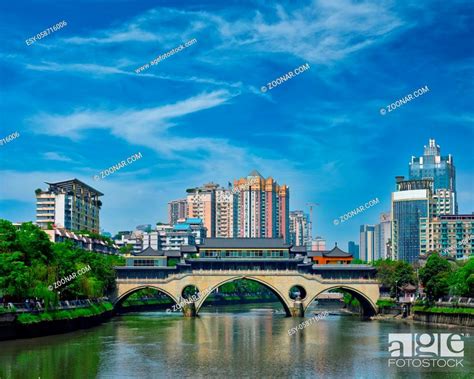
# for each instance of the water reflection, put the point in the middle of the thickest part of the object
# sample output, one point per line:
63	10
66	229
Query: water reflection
227	341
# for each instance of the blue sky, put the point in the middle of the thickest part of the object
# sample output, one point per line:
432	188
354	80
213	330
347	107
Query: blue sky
200	116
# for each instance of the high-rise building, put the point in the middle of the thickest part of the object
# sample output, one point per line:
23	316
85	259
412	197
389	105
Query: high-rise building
225	213
450	235
367	243
412	201
382	236
353	249
318	244
177	209
299	229
71	204
262	208
443	173
202	204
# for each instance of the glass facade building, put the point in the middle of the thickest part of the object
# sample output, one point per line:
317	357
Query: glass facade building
443	173
410	203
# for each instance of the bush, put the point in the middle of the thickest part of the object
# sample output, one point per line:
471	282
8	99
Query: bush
444	310
28	318
385	303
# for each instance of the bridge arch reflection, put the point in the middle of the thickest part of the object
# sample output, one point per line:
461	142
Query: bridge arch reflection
272	289
368	308
118	303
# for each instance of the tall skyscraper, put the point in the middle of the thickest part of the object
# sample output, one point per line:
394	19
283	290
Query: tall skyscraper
177	209
262	207
443	173
225	213
382	236
412	201
353	249
202	204
367	243
71	204
299	229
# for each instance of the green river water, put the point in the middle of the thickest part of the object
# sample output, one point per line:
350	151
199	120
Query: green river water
239	341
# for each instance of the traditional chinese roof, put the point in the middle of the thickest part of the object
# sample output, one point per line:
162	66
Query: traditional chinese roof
337	253
409	288
149	252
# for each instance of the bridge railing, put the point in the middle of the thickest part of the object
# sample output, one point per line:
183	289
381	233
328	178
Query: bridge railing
250	272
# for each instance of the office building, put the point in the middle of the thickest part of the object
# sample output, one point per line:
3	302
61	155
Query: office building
367	243
262	208
177	209
353	249
410	202
443	173
70	204
299	229
449	235
382	236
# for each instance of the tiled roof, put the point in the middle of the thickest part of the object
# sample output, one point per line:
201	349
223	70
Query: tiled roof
149	252
337	253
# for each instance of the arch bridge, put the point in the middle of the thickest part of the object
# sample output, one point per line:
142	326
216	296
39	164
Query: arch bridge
312	280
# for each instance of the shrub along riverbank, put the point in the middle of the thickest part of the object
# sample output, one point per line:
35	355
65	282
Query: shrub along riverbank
444	315
28	325
93	310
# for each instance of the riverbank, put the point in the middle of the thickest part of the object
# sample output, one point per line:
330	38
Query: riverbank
29	325
438	316
443	315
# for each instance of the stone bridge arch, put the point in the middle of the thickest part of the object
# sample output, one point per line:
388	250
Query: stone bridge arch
277	292
123	296
367	302
279	282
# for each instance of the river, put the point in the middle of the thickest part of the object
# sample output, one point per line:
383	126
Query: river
241	341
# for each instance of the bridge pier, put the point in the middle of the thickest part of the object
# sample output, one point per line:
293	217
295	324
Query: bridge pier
297	310
189	310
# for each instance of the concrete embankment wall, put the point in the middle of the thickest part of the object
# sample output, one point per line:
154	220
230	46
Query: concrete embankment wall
463	319
11	329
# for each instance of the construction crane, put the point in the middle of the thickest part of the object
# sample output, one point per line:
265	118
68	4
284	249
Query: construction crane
311	205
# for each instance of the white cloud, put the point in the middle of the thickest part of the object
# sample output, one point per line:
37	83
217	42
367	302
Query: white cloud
54	156
145	127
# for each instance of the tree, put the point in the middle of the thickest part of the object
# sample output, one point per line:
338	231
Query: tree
461	282
394	274
434	277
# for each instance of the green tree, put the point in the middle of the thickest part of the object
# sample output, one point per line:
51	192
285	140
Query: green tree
461	281
394	274
435	277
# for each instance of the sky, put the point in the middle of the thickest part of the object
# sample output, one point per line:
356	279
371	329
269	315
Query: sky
200	115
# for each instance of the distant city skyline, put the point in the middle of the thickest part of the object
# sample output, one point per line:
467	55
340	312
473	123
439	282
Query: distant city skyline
200	116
